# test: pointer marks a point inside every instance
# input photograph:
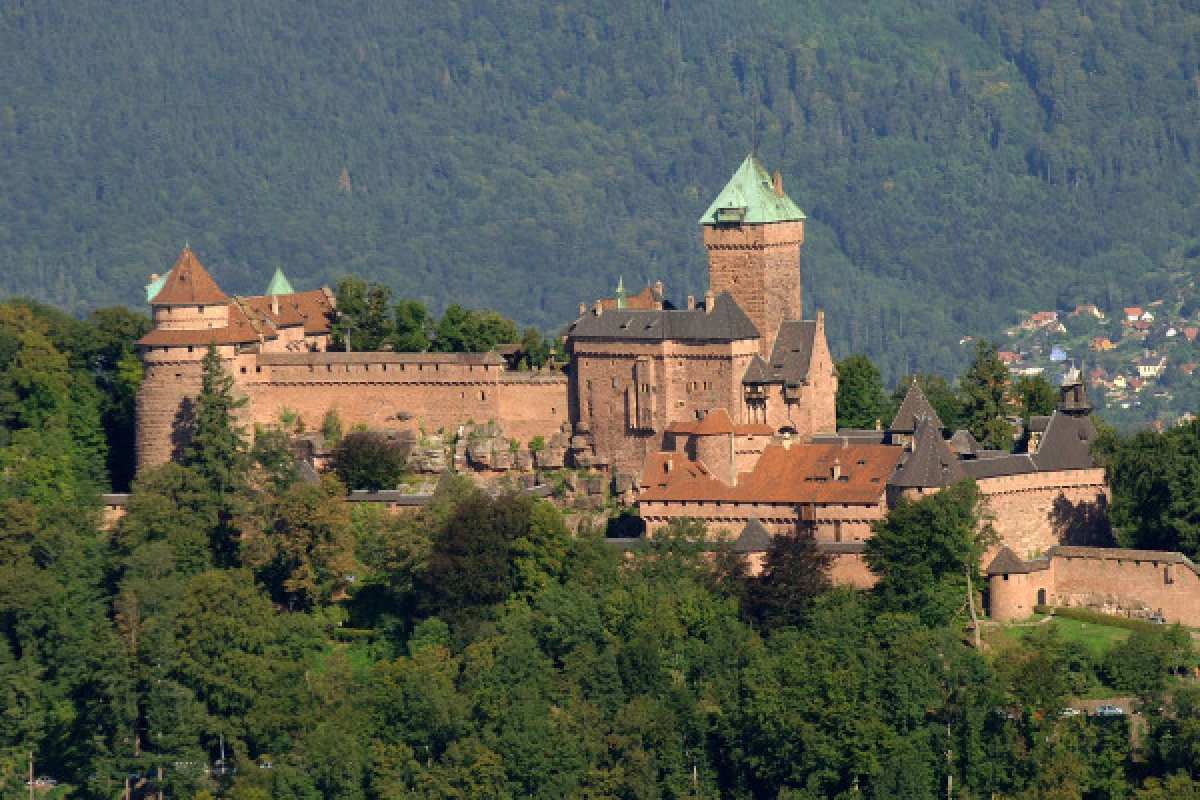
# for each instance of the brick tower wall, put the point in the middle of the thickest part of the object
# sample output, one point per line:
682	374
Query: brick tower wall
165	400
759	265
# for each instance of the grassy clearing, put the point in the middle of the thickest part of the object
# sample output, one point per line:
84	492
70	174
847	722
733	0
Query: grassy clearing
1097	638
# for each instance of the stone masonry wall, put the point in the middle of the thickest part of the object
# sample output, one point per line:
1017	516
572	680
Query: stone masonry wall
1114	584
409	395
170	384
1034	512
759	265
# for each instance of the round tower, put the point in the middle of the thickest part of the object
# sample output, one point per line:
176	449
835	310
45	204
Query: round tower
190	312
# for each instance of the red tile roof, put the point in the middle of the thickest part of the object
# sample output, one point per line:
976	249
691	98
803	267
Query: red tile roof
189	284
313	310
241	330
796	474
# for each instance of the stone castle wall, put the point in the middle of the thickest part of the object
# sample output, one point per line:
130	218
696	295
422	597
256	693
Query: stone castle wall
626	423
1037	511
378	390
1112	582
759	265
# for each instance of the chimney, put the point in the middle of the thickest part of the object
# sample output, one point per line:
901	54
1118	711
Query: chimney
582	309
820	321
836	471
778	183
709	301
658	287
153	277
691	302
275	305
598	308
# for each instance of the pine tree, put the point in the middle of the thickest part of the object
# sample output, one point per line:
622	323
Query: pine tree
985	398
860	402
217	451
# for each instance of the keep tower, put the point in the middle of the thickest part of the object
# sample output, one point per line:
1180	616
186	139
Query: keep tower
753	233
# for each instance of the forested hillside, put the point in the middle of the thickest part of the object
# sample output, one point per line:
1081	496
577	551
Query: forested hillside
959	159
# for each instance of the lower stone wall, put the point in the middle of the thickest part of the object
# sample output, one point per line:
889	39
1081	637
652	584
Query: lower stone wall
524	409
1034	512
1111	582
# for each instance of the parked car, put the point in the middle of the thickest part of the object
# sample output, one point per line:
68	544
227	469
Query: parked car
1157	620
1109	711
1069	712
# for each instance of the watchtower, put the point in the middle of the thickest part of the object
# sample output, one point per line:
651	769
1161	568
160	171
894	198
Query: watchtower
753	233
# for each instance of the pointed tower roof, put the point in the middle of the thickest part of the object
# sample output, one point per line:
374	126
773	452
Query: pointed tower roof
915	405
752	198
279	284
188	283
931	464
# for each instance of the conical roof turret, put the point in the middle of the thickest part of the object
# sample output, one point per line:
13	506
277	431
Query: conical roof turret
188	283
279	284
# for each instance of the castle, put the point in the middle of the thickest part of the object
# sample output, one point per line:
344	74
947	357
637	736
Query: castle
723	410
636	367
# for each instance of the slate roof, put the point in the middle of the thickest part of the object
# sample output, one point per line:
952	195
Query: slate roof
1007	562
999	465
754	538
851	436
757	373
726	322
188	283
792	353
931	463
752	189
964	443
1066	444
1038	424
915	405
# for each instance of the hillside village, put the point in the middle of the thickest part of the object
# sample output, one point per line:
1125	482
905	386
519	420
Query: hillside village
1139	361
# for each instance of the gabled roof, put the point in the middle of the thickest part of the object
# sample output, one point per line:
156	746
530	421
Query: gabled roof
188	283
715	423
757	373
792	353
964	443
915	405
993	464
799	474
932	464
754	538
279	284
1066	444
313	310
752	190
726	322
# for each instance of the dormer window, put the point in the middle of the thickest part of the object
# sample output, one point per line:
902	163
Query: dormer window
733	216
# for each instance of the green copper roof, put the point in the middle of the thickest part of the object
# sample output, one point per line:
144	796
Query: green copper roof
152	289
750	198
279	284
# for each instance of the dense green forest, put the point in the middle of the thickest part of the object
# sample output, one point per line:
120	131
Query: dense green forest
476	649
959	159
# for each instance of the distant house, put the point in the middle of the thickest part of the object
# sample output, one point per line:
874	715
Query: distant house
1009	358
1100	344
1058	354
1142	326
1027	370
1191	333
1133	313
1187	369
1171	333
1083	311
1150	366
1042	320
1098	376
